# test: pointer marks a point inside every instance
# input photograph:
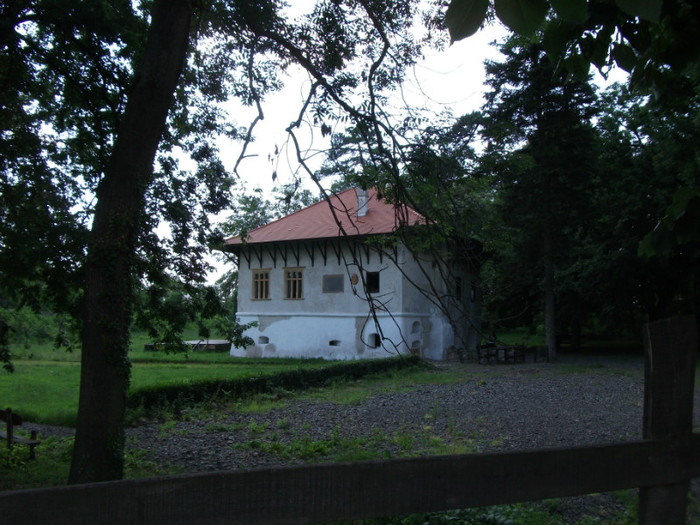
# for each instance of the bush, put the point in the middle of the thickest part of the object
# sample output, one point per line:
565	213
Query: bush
12	458
173	398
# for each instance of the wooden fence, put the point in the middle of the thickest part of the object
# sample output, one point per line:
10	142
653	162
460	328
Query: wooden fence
662	464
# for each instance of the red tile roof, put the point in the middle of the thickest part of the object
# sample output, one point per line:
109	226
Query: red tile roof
321	221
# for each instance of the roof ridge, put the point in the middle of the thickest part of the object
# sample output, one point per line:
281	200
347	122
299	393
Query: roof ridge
313	222
323	200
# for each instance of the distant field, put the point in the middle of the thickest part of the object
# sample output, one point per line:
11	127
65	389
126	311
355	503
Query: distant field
45	351
46	391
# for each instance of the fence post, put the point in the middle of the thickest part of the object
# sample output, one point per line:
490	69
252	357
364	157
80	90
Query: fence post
9	434
670	347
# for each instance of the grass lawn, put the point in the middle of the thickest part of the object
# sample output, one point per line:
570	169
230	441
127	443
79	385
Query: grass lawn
46	391
42	391
44	386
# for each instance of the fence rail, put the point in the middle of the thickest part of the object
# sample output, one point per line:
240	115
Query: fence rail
318	493
662	465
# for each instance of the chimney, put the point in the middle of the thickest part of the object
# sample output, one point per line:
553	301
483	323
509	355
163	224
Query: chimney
362	202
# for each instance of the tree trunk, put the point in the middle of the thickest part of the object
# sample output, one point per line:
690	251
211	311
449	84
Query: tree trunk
549	299
105	370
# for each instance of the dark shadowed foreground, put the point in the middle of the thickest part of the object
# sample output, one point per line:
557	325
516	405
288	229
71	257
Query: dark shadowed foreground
581	400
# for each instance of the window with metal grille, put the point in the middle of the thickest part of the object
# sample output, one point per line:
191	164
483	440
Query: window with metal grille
293	283
261	284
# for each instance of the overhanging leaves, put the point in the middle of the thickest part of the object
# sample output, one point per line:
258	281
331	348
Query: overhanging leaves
624	56
464	17
679	226
647	9
571	10
522	16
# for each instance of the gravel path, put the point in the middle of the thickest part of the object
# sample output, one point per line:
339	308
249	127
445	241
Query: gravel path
494	408
576	401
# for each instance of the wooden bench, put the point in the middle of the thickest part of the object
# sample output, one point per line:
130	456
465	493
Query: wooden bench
514	354
500	354
11	421
486	353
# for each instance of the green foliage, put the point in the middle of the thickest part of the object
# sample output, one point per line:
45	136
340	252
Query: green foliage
464	17
253	209
617	183
645	38
12	458
678	228
49	469
645	164
27	328
25	331
522	16
539	158
167	310
571	10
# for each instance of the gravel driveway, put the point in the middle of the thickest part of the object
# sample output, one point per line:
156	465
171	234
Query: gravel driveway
495	407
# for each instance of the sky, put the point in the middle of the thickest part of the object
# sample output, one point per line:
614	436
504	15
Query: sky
452	78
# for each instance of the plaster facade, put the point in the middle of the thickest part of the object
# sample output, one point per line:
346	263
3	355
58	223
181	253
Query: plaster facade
338	323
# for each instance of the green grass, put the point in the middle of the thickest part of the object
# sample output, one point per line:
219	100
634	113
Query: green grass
46	351
148	374
42	391
353	393
50	468
47	391
274	440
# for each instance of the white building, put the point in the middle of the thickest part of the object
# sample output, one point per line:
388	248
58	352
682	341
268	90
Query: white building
335	280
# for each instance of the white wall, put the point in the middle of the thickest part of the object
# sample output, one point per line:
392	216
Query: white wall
339	325
331	336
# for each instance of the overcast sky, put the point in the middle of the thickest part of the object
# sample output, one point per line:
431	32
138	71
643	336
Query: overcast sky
452	78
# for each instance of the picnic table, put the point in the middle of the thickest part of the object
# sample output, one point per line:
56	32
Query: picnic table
492	353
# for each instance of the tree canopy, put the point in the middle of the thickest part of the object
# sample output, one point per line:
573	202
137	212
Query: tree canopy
539	132
100	102
656	193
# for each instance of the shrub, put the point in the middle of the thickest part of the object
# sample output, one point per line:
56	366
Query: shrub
175	397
